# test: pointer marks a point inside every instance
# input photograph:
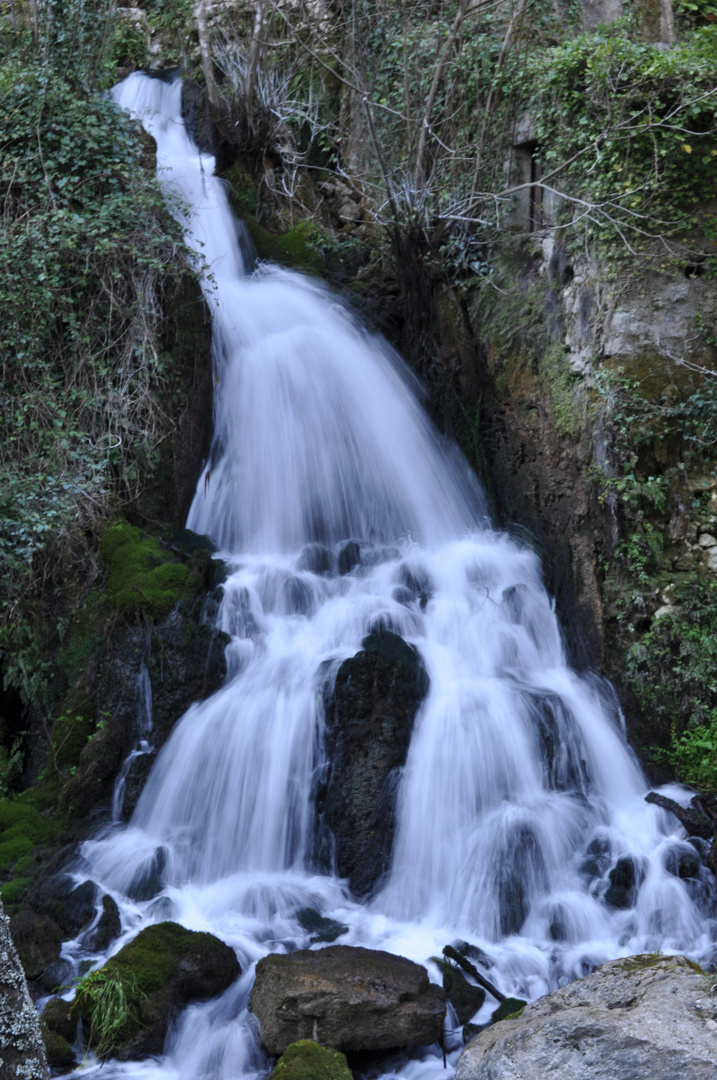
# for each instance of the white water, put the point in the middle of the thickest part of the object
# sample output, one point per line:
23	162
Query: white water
516	765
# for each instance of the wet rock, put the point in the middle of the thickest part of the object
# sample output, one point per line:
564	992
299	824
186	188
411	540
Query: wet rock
21	1049
59	974
149	879
417	581
349	557
57	1016
108	928
643	1016
321	928
307	1060
317	559
625	879
38	941
298	598
402	595
160	971
351	999
185	662
70	906
465	998
683	861
368	729
58	1051
59	1030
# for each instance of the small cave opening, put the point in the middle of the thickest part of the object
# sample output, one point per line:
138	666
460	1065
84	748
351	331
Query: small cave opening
694	270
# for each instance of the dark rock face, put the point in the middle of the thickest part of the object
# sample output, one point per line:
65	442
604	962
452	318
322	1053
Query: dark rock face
368	729
185	662
351	999
108	928
161	970
625	879
465	998
37	939
70	906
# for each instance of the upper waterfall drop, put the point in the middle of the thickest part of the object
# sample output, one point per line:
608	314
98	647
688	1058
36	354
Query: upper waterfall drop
318	436
519	797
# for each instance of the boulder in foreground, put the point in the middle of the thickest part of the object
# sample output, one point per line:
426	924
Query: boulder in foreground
127	1006
643	1016
347	998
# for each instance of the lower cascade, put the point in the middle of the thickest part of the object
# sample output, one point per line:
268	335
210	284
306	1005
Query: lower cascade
518	818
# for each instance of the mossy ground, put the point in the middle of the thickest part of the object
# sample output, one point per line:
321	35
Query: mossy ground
28	831
307	1060
144	578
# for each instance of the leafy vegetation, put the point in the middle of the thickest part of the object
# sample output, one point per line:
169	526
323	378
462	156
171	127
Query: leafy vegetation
109	1002
88	249
672	671
627	134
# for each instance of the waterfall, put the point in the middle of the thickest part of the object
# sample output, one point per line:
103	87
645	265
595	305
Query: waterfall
519	792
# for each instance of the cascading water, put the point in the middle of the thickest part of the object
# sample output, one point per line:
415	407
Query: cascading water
519	793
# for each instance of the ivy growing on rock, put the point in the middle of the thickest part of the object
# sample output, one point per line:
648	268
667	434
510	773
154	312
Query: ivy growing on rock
88	249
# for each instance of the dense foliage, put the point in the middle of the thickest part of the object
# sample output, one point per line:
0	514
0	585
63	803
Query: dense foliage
628	133
87	247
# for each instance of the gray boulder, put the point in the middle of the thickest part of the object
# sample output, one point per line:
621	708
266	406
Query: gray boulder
346	998
644	1016
21	1050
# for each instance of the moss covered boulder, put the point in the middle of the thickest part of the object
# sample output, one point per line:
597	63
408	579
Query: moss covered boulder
347	998
143	576
126	1006
307	1060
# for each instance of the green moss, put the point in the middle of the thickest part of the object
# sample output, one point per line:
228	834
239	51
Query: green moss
22	828
307	1060
555	370
509	1009
115	1002
298	248
12	892
143	577
243	192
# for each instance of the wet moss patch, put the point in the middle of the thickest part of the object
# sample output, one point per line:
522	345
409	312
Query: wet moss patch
143	577
307	1060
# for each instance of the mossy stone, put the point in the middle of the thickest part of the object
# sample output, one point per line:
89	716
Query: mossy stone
297	248
58	1051
307	1060
22	828
509	1009
147	984
142	576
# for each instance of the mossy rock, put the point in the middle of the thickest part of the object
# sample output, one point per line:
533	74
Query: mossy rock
465	998
307	1060
509	1009
22	828
127	1005
143	577
297	248
58	1051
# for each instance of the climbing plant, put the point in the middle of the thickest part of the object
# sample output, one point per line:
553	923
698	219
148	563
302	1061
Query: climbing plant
87	248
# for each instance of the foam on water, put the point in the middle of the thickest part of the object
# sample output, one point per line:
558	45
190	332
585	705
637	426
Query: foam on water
519	793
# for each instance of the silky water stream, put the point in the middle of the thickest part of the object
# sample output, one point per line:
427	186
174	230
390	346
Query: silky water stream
518	777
